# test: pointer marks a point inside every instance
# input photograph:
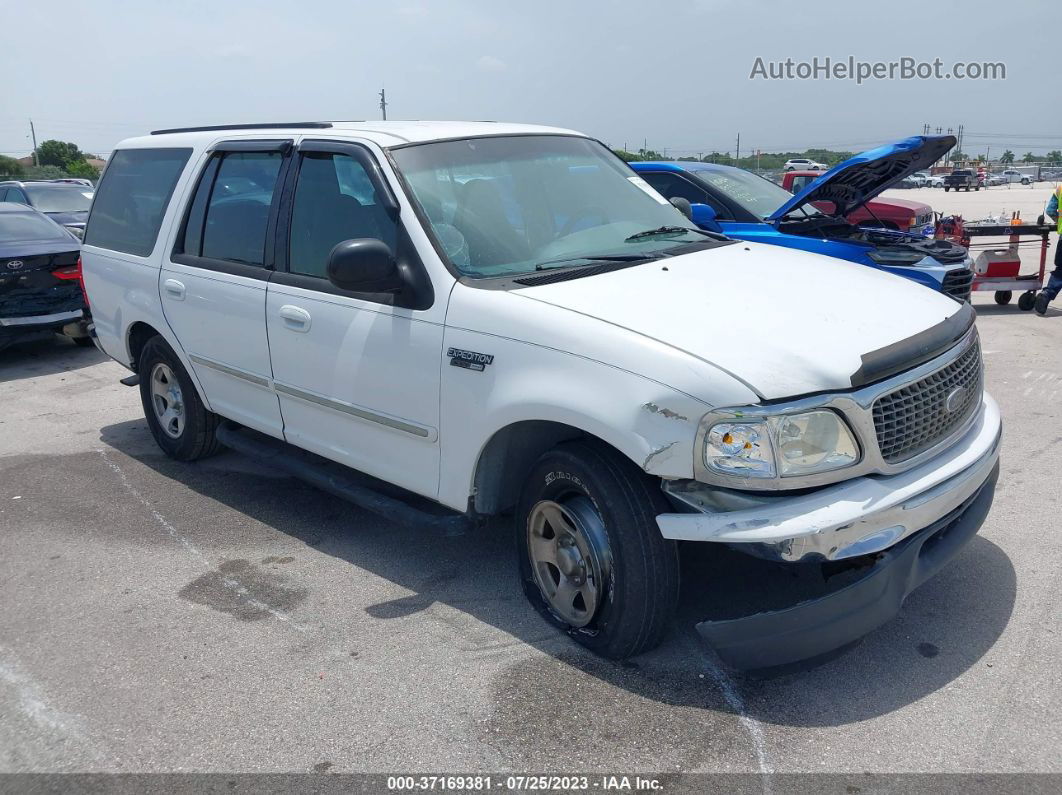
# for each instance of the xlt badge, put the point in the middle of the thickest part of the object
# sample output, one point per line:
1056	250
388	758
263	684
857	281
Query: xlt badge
470	360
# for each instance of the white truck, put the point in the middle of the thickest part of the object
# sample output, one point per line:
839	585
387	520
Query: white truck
489	318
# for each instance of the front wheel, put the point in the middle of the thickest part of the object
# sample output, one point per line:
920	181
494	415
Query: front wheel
1027	300
181	424
1003	297
592	560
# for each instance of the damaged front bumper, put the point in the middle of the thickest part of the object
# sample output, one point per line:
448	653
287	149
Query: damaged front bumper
914	522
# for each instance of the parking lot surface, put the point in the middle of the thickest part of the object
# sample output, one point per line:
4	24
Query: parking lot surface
159	616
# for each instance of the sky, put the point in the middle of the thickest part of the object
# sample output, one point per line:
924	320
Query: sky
672	75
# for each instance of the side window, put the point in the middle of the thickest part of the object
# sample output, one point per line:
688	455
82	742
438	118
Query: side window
3	194
669	185
132	198
16	195
334	201
237	211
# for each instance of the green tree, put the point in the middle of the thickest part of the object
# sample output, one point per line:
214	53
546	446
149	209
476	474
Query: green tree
45	172
82	169
958	157
10	168
1028	157
623	154
58	153
1054	157
1006	158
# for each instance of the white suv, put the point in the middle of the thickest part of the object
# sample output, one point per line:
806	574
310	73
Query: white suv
803	164
504	318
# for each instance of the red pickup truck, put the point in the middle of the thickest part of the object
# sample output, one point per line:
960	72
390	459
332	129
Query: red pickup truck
901	214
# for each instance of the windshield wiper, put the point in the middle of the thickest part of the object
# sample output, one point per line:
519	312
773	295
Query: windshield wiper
551	264
674	230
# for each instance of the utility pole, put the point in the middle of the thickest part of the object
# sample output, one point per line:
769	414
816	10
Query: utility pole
737	150
33	135
383	103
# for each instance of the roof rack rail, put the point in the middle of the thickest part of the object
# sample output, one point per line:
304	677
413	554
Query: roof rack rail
315	125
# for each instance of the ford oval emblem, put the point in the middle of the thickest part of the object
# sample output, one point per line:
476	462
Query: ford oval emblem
15	264
955	400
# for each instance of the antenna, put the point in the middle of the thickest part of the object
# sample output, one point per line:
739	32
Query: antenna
383	103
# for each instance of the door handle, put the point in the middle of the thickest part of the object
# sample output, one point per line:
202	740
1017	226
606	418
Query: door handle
174	289
295	318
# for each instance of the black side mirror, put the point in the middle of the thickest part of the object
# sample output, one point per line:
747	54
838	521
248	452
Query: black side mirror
365	265
682	205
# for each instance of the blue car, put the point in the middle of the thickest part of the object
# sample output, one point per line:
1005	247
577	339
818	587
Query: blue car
745	206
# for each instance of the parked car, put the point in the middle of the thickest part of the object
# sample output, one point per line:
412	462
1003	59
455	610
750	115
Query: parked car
991	180
804	164
904	215
817	219
935	181
1012	175
64	202
614	377
961	178
908	183
40	279
920	178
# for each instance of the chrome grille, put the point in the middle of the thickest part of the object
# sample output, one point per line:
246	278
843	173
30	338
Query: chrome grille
916	417
957	284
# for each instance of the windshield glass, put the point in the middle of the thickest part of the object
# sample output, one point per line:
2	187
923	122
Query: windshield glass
758	195
500	206
29	225
60	198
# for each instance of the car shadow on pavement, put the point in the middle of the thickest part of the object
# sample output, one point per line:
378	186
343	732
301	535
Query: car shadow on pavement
947	626
46	357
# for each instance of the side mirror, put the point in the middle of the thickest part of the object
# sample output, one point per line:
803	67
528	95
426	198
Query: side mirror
682	205
365	265
704	216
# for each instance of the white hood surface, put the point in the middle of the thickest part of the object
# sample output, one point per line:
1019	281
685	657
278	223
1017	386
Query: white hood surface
785	322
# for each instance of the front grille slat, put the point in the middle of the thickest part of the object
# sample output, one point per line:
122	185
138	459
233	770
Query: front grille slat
915	417
957	284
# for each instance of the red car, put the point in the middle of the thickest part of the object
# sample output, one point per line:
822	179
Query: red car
907	216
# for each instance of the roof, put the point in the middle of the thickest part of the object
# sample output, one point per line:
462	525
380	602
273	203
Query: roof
383	133
681	165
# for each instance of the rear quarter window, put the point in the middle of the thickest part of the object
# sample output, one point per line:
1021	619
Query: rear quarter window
132	198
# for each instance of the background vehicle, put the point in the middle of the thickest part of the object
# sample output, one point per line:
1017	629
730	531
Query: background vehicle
902	214
309	327
991	180
40	279
1011	175
748	207
64	202
804	164
961	178
920	177
935	181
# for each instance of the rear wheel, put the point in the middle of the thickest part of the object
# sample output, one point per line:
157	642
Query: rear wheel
947	188
1003	297
181	424
591	557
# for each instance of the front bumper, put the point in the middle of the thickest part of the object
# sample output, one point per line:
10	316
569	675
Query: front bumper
819	626
854	517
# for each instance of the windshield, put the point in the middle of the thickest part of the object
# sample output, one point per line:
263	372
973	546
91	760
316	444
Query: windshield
504	205
28	225
757	195
60	198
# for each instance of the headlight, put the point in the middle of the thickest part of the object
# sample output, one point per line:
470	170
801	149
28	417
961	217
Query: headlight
786	446
897	257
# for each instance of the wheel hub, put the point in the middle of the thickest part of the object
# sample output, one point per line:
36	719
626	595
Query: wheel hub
570	557
167	400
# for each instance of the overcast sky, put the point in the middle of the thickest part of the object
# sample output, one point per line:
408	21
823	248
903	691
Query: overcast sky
673	73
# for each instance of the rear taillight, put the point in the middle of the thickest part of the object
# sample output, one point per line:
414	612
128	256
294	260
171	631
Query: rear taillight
71	272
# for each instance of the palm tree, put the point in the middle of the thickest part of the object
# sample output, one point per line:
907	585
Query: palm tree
1007	158
1054	157
1028	157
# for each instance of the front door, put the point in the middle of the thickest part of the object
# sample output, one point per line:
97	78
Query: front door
213	284
357	376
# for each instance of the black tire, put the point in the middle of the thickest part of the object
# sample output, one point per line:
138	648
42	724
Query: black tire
197	438
1026	301
1003	297
947	188
83	342
637	598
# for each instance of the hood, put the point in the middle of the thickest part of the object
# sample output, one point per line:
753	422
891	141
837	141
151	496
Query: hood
783	322
864	176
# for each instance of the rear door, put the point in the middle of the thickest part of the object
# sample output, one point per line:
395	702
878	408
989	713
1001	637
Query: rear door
213	283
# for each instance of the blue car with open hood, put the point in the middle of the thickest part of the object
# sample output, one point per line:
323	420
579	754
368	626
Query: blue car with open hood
746	206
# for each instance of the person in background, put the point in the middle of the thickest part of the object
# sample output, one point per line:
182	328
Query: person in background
1054	284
